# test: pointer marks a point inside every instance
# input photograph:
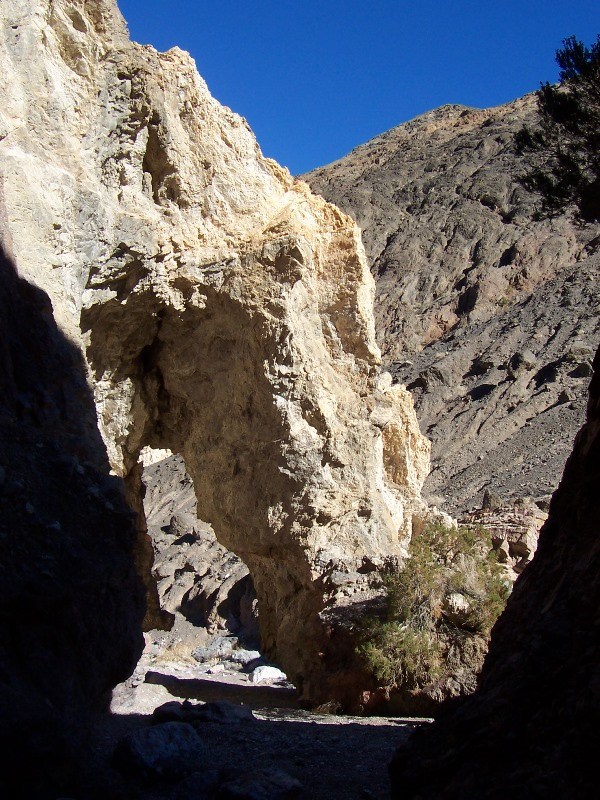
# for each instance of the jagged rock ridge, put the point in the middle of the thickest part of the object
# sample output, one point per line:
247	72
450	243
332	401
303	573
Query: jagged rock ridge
489	315
224	313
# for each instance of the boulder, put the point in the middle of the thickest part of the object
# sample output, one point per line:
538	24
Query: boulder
456	609
267	674
221	647
223	712
167	751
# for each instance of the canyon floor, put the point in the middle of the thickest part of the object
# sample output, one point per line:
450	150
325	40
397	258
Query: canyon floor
278	751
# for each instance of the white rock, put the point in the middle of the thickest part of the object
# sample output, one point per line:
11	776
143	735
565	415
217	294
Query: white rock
244	657
267	674
456	608
216	669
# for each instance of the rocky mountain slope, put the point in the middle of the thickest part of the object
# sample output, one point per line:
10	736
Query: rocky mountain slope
197	578
489	315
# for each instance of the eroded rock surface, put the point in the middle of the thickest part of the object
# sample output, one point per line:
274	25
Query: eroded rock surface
514	528
489	315
197	578
224	312
530	729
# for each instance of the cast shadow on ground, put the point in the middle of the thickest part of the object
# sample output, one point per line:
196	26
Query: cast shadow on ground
330	756
253	696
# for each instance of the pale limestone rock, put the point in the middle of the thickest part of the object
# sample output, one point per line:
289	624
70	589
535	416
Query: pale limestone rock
515	529
456	608
267	674
148	456
224	312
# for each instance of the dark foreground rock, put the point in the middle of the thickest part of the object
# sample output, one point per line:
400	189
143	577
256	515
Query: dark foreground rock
218	711
70	605
168	751
268	784
532	727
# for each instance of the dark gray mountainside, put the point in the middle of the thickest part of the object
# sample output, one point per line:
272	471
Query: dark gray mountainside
489	314
530	729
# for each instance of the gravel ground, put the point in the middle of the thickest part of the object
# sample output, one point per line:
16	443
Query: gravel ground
331	756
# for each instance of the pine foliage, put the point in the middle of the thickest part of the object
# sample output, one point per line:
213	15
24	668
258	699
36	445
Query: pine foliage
567	142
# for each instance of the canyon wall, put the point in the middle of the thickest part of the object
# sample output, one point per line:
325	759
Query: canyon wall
71	605
530	729
220	310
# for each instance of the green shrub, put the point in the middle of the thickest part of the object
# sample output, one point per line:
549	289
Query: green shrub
402	656
450	589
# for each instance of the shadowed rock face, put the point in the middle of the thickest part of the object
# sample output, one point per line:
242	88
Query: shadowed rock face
224	312
71	605
489	315
530	729
196	576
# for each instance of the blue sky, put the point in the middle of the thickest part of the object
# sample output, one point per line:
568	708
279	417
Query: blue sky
315	79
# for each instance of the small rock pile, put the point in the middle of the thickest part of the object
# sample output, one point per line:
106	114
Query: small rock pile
224	653
515	528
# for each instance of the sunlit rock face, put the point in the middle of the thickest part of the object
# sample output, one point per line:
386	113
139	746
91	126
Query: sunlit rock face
224	313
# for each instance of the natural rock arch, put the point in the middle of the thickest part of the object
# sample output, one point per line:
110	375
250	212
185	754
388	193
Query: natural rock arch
224	311
286	457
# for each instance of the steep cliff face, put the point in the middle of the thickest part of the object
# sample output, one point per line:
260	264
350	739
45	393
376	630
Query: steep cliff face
530	729
224	313
489	314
